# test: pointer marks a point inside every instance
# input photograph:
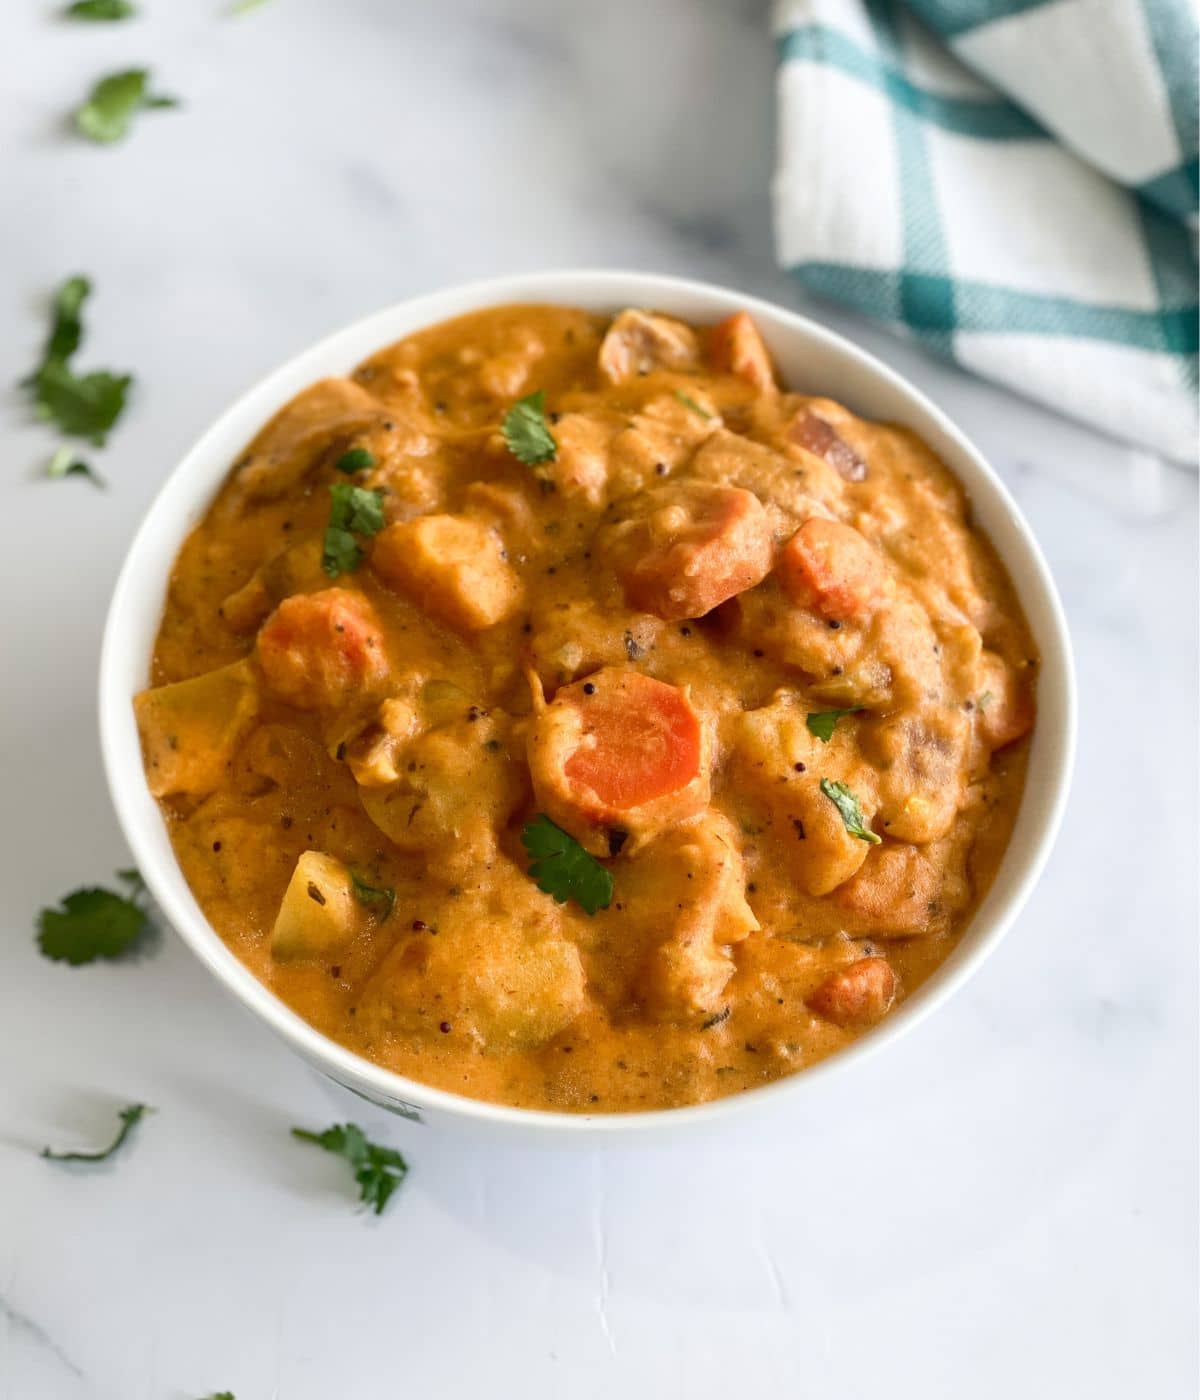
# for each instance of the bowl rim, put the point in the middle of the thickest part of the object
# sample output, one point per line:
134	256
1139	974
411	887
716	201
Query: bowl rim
610	288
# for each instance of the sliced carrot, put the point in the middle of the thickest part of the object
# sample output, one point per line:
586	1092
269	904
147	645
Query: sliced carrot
318	650
620	752
830	568
858	995
640	738
691	546
737	348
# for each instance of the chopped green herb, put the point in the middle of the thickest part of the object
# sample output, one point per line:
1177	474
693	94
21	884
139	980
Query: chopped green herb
688	402
107	114
562	868
101	10
66	334
243	7
354	511
821	724
851	810
378	1170
65	462
221	1395
527	435
84	407
93	923
128	1116
372	898
358	459
985	700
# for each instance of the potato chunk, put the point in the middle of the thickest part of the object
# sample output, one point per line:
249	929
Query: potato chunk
695	894
780	766
454	567
498	973
190	730
319	915
638	343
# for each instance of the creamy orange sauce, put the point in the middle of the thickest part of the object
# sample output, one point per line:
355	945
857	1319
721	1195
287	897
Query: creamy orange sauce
631	637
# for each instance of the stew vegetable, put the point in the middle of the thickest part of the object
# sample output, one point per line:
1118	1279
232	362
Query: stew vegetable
560	711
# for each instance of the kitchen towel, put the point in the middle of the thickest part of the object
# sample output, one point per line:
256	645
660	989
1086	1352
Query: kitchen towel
1011	182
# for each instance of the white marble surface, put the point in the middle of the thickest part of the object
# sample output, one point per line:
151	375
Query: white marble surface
1005	1205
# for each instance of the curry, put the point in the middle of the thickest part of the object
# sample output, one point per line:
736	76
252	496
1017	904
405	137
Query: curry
560	712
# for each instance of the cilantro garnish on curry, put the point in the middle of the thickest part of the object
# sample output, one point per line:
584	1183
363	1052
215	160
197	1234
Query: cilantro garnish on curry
560	711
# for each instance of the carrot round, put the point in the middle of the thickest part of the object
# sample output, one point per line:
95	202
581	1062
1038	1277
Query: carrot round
830	568
619	751
640	739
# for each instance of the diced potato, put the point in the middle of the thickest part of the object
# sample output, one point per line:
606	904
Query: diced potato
638	343
453	565
780	767
320	914
498	973
190	729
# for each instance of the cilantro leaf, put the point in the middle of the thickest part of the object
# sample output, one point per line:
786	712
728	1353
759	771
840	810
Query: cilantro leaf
65	462
851	810
821	724
354	510
93	923
378	1170
86	407
128	1116
371	898
221	1395
101	10
688	402
80	407
526	432
107	114
66	333
243	7
357	459
562	868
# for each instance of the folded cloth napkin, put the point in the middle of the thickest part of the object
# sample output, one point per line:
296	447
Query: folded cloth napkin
1013	183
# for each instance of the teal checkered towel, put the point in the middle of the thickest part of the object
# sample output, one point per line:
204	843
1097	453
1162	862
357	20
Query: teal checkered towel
1013	183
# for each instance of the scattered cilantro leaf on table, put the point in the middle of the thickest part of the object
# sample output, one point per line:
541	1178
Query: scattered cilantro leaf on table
354	511
243	7
93	923
106	10
128	1116
851	810
378	1170
86	407
67	462
527	435
822	723
372	898
562	868
107	114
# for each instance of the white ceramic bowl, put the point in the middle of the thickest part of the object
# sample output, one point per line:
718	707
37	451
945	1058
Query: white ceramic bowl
809	358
